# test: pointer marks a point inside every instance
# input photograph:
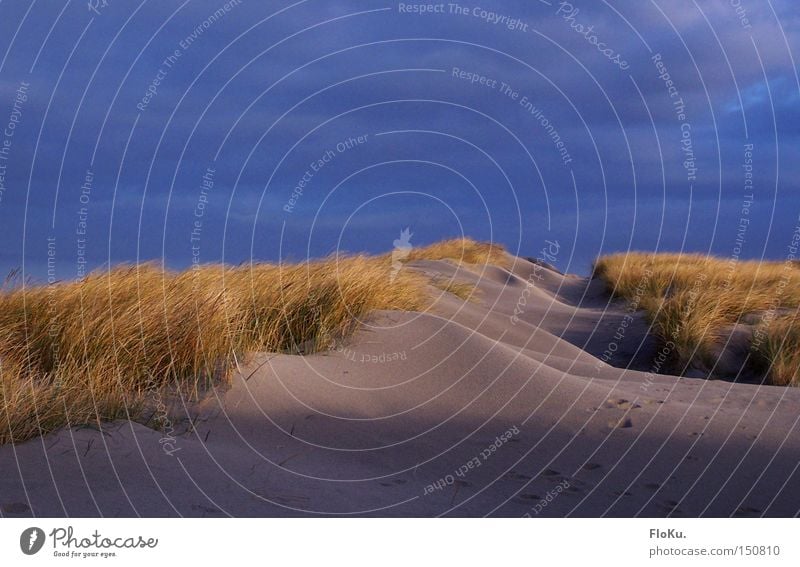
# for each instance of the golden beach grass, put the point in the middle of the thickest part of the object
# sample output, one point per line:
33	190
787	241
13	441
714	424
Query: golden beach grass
694	300
462	250
98	348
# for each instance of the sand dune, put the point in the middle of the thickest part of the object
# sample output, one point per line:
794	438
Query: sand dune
495	406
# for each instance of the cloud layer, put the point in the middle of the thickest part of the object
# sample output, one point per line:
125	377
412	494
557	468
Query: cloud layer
606	126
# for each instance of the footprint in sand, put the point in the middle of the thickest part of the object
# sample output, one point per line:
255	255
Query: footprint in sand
621	423
207	509
530	496
669	505
552	476
513	475
621	403
15	508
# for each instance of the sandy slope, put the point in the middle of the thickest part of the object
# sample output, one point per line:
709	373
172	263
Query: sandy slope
458	412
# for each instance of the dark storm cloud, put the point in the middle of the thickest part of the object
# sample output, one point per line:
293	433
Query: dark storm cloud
558	140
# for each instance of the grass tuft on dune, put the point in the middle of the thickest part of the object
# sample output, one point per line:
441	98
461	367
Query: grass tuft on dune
100	348
463	250
694	302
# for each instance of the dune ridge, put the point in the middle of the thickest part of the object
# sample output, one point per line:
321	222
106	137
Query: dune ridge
100	348
453	411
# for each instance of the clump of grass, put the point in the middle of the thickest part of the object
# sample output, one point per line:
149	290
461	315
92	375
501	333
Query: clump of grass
465	291
100	348
779	350
462	250
693	299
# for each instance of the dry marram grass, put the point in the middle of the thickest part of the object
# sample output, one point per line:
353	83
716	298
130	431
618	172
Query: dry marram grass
97	349
462	250
694	300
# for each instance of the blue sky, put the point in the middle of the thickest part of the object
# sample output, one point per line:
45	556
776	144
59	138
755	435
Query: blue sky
518	121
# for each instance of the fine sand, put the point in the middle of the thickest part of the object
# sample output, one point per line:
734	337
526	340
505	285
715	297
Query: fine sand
462	411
